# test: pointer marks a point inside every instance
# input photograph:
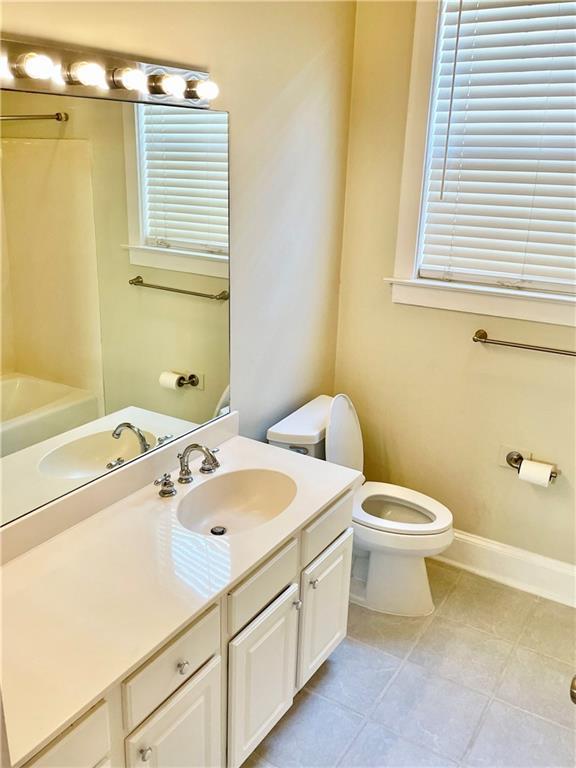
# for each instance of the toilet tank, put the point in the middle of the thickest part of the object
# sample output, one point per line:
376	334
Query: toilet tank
303	431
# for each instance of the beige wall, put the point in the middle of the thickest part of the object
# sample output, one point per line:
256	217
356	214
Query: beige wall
435	408
284	71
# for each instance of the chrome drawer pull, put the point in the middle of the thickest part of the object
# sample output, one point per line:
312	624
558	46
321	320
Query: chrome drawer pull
314	583
182	667
145	754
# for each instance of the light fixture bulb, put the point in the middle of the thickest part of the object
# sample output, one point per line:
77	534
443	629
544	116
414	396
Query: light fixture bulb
173	85
36	66
131	79
206	89
88	73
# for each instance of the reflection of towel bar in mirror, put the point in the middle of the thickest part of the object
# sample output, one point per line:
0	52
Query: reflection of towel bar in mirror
139	281
60	117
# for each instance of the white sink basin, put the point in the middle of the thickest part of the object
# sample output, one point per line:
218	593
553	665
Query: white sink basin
88	456
236	501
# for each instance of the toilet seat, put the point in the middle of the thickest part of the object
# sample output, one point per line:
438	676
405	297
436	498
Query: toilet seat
436	518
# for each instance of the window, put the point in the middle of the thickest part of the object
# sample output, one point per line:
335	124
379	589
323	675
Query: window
178	189
498	178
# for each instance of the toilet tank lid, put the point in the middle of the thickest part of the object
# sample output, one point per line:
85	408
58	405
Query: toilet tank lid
306	426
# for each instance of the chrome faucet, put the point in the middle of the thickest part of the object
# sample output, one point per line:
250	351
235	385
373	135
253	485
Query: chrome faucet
144	444
210	463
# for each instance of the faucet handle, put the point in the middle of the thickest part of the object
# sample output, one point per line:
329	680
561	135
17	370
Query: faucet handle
210	463
166	485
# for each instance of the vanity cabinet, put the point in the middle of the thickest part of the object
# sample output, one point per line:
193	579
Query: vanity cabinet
186	730
262	674
324	588
210	695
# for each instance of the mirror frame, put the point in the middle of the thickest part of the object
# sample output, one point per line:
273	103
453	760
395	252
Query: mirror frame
14	46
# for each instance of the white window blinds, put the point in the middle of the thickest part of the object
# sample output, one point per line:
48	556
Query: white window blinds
183	158
498	201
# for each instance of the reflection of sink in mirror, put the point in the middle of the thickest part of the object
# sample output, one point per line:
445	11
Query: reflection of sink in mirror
92	455
236	501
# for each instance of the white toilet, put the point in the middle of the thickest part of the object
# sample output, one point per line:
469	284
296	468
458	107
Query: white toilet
394	528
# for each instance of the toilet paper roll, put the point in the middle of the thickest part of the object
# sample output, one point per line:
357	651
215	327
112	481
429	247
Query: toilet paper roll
170	380
536	472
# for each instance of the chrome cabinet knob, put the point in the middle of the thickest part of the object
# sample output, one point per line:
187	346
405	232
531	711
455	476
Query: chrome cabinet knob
145	754
182	667
314	583
297	604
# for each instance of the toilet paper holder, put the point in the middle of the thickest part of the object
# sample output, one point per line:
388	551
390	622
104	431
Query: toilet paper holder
192	380
514	459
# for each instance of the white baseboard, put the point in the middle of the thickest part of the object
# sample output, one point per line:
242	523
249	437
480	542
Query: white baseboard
543	576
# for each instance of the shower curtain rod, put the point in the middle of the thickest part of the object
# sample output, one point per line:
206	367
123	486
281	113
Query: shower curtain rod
60	117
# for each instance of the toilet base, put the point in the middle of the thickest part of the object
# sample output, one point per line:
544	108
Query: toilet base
398	584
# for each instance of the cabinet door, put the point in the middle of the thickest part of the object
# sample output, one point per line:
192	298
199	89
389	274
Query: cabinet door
262	675
185	731
325	588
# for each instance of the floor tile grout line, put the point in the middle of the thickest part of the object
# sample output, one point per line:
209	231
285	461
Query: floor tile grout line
400	736
532	714
340	762
329	700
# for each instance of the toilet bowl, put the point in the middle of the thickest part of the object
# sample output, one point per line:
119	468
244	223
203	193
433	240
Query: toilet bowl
395	528
398	528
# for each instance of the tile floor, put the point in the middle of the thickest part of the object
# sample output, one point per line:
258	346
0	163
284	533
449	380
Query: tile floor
482	683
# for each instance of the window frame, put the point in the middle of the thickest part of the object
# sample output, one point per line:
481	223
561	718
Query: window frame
140	252
407	286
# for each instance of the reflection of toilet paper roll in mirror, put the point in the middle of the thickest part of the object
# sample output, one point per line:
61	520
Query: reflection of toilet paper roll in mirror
170	380
536	472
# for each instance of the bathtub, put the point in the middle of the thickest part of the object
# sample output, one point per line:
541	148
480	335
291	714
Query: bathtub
35	409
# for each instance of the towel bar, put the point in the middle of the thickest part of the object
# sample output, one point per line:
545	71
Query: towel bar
139	281
482	337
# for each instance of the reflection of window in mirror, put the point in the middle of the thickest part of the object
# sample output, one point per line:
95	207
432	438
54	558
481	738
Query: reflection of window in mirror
177	188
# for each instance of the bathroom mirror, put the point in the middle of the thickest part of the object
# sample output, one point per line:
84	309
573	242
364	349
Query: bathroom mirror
115	286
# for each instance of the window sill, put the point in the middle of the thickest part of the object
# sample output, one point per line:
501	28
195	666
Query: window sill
556	309
178	261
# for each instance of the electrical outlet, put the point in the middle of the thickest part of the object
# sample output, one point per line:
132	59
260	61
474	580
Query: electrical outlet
503	450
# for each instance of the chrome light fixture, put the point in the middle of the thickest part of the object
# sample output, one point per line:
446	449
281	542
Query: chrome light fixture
27	64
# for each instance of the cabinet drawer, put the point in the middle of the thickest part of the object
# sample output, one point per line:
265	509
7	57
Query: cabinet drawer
149	686
326	527
258	590
84	745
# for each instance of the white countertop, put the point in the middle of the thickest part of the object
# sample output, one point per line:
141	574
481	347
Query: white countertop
82	610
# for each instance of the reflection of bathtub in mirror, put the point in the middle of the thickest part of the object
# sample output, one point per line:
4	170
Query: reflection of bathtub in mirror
36	409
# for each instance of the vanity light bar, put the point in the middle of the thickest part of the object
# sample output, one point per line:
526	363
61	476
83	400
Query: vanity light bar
19	66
